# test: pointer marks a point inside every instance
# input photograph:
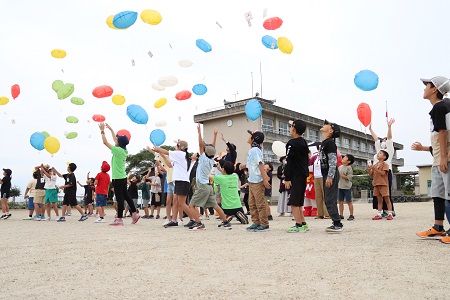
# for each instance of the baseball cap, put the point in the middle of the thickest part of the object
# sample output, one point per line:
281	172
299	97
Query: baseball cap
257	136
210	150
299	126
8	172
440	82
335	127
183	145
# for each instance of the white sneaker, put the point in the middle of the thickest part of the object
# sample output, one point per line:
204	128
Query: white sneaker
166	222
36	218
48	219
180	223
100	220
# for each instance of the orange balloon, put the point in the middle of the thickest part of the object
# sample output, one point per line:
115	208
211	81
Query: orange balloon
15	91
98	118
364	114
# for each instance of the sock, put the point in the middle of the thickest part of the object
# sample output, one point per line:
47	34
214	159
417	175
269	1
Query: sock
390	213
298	225
30	216
438	227
303	223
101	217
380	212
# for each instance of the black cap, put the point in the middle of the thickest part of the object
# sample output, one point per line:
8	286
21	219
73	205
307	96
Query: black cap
257	136
335	127
299	126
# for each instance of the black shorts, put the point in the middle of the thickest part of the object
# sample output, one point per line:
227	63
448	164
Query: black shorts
70	200
182	188
297	191
5	195
156	196
88	200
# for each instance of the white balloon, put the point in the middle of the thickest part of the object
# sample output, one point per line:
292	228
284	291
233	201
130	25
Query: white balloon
157	87
279	148
161	123
167	81
185	63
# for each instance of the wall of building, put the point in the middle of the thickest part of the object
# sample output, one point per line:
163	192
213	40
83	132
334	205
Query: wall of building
424	177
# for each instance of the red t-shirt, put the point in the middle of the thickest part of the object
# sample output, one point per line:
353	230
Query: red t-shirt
103	183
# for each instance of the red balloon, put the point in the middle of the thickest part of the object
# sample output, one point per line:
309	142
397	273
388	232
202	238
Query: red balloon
98	118
364	114
124	132
183	95
339	158
272	23
102	91
15	91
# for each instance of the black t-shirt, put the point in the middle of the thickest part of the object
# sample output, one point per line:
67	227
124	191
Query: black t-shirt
438	116
268	192
6	185
70	178
296	159
40	183
133	190
230	156
328	147
88	188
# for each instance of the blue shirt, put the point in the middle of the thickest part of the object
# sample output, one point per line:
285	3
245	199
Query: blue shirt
165	182
254	157
204	167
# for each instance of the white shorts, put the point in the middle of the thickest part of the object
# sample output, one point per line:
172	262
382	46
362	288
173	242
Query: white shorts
440	183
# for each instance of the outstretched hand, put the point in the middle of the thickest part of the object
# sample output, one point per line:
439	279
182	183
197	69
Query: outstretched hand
391	121
222	137
417	146
101	126
107	126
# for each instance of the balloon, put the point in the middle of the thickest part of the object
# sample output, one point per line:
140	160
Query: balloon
151	17
203	45
279	148
157	137
46	134
52	145
185	63
160	123
124	132
65	91
58	53
37	140
183	95
167	81
118	99
366	80
160	102
272	23
4	100
199	89
364	114
109	22
102	91
137	114
72	119
71	135
269	42
339	158
77	101
157	87
15	91
98	118
124	19
253	109
56	85
285	45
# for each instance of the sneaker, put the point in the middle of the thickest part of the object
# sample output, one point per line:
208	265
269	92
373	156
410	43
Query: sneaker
261	228
197	226
49	219
90	215
3	217
136	219
165	217
252	227
190	224
384	215
151	217
180	223
28	218
241	217
281	215
225	225
42	217
157	216
7	216
350	218
390	217
100	220
294	229
68	213
377	217
61	219
116	223
36	218
166	222
431	234
270	218
229	219
342	217
305	227
145	217
334	229
83	218
171	224
445	240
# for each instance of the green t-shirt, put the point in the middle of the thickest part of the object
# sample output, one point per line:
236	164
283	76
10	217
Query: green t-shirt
229	187
145	188
118	162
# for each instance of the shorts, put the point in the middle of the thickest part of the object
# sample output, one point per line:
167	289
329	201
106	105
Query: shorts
170	188
381	191
31	203
440	183
6	195
345	194
100	200
70	199
145	202
218	194
114	199
182	188
39	196
203	196
297	191
51	196
156	199
88	200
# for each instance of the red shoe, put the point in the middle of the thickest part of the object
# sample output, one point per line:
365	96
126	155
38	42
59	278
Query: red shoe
307	211
377	217
314	212
390	217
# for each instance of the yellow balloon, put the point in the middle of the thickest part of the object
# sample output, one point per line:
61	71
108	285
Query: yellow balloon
160	102
285	45
109	22
4	100
118	99
51	144
58	53
151	17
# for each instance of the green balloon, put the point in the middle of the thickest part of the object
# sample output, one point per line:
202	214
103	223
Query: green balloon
77	101
65	91
72	119
71	135
56	85
46	134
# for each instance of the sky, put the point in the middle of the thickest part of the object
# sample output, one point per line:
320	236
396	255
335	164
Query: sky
333	40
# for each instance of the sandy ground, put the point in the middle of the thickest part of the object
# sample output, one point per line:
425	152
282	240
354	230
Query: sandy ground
84	260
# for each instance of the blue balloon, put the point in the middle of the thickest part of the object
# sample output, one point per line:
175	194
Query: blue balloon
203	45
269	42
199	89
157	137
137	114
253	109
366	80
37	140
125	19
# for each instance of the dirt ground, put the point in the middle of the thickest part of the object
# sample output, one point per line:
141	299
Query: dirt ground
85	260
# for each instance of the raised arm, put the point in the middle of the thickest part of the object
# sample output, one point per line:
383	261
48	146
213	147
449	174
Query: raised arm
389	133
166	160
200	139
374	135
160	150
215	137
113	134
80	184
56	172
102	131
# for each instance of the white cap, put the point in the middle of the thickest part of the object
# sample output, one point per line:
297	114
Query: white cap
442	83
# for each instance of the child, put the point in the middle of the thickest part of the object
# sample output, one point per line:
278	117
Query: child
283	194
145	188
133	186
39	195
296	172
31	188
155	189
51	191
101	182
268	168
70	193
258	180
5	193
330	174
345	185
380	183
88	198
244	186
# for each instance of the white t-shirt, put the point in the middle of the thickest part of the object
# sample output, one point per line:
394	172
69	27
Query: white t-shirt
317	169
156	189
50	183
180	170
389	149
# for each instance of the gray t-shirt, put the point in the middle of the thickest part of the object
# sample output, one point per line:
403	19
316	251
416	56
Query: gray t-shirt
345	184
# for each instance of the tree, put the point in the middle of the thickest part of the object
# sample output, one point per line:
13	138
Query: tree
361	181
140	162
15	192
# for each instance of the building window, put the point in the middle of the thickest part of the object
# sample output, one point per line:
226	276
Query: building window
268	155
372	149
363	164
313	135
267	125
346	143
338	141
363	147
283	128
356	163
355	145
